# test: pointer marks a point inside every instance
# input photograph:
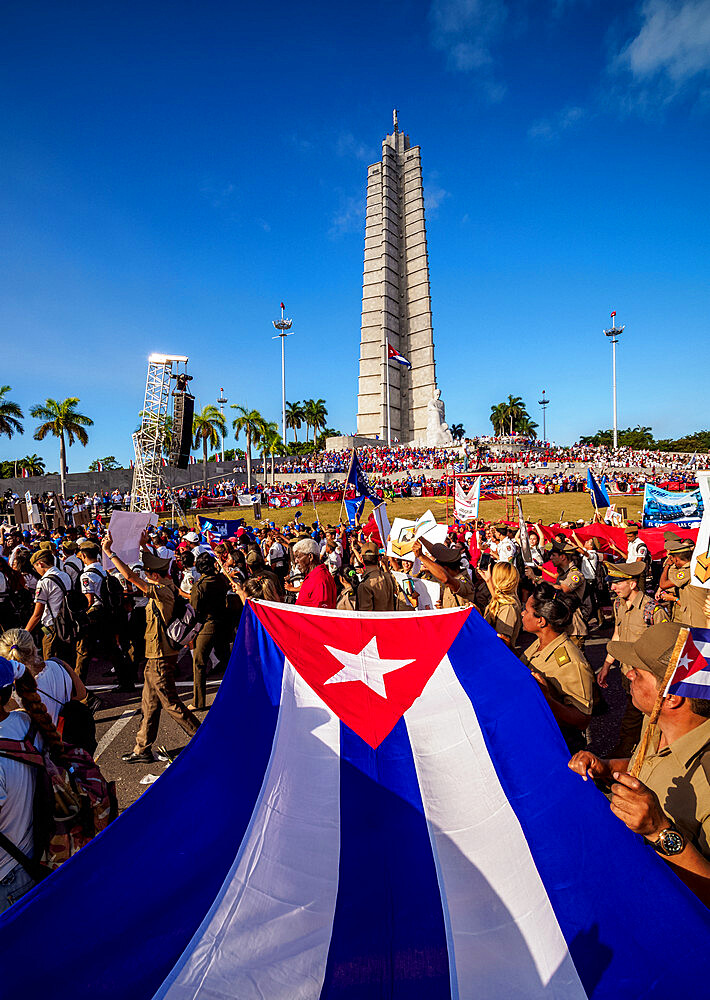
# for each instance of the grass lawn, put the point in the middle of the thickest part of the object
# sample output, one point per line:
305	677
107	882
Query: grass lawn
548	509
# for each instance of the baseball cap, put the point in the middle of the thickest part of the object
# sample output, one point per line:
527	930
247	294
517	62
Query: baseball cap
192	536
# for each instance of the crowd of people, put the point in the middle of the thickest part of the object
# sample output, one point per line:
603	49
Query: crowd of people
68	599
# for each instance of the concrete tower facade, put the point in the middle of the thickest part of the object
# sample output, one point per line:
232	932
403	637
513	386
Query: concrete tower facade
396	302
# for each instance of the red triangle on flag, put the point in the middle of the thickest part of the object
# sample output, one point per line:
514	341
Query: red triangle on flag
368	668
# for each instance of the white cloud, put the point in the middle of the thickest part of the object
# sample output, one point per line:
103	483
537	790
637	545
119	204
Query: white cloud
347	145
551	128
671	49
434	196
464	30
350	217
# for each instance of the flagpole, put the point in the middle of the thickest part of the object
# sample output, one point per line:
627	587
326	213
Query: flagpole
387	377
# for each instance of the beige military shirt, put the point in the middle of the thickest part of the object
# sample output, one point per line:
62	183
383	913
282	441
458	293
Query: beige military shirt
689	609
679	774
160	606
574	583
464	595
507	621
630	618
565	669
376	590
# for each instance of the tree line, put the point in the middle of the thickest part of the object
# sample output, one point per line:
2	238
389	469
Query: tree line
61	419
512	417
641	438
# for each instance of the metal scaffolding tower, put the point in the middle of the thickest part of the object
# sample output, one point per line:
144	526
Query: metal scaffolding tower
149	441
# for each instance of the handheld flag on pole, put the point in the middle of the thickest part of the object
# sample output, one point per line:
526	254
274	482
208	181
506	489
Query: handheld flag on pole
358	479
600	497
354	506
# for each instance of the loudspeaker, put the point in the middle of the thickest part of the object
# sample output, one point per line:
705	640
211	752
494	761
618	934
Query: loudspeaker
181	440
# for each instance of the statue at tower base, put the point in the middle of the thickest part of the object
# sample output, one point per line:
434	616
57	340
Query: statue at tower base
438	434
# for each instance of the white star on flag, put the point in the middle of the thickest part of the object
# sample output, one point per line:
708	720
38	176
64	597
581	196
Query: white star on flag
366	666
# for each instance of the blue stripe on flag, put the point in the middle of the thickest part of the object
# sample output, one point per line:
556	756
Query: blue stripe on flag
388	937
141	888
613	897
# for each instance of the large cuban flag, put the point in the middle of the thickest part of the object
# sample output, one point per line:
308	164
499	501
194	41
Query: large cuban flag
377	806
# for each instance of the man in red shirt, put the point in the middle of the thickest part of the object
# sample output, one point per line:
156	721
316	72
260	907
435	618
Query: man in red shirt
318	587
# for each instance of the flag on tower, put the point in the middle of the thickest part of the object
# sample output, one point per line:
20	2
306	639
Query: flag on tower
396	356
283	306
383	825
613	314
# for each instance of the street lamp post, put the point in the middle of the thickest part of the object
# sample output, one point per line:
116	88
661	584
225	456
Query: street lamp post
283	326
222	401
614	333
544	403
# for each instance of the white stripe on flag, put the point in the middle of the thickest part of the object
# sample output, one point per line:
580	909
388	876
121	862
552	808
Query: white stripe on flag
504	938
268	932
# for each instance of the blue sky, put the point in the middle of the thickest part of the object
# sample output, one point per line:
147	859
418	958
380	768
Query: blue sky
172	171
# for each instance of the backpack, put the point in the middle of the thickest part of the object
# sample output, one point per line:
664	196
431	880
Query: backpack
111	592
73	802
65	624
183	625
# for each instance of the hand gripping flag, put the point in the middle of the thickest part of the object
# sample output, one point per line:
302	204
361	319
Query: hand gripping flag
376	806
600	497
396	356
358	479
691	678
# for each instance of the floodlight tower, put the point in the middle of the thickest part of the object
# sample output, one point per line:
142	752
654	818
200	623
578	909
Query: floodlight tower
149	440
614	333
544	403
222	401
283	326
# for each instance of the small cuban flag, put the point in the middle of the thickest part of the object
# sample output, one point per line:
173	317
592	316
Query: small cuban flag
396	356
692	674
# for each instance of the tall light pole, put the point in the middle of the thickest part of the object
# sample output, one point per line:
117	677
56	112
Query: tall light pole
222	400
614	333
283	326
544	403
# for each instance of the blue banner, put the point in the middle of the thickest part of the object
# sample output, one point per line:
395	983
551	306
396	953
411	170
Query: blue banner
358	479
662	507
227	529
353	506
599	495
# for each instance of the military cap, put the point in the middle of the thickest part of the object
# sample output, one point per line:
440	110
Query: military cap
446	555
625	571
153	563
47	545
254	555
40	555
567	547
652	651
70	546
88	545
630	529
675	545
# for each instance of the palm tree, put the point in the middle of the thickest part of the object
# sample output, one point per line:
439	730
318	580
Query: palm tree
514	411
498	418
272	444
33	464
315	413
527	427
457	431
295	415
60	419
210	426
250	423
10	414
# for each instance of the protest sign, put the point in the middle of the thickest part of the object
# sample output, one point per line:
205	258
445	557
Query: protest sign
466	503
221	527
126	528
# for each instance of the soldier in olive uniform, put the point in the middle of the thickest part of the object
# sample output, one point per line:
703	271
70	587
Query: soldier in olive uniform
634	612
376	591
675	585
570	580
557	664
159	689
443	562
669	803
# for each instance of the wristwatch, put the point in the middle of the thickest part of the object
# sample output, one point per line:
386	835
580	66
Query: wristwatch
669	842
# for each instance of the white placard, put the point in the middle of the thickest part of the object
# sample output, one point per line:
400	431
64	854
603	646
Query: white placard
428	591
126	528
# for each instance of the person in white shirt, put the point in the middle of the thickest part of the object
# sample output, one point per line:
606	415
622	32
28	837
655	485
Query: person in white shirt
193	540
72	564
506	545
50	594
99	631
